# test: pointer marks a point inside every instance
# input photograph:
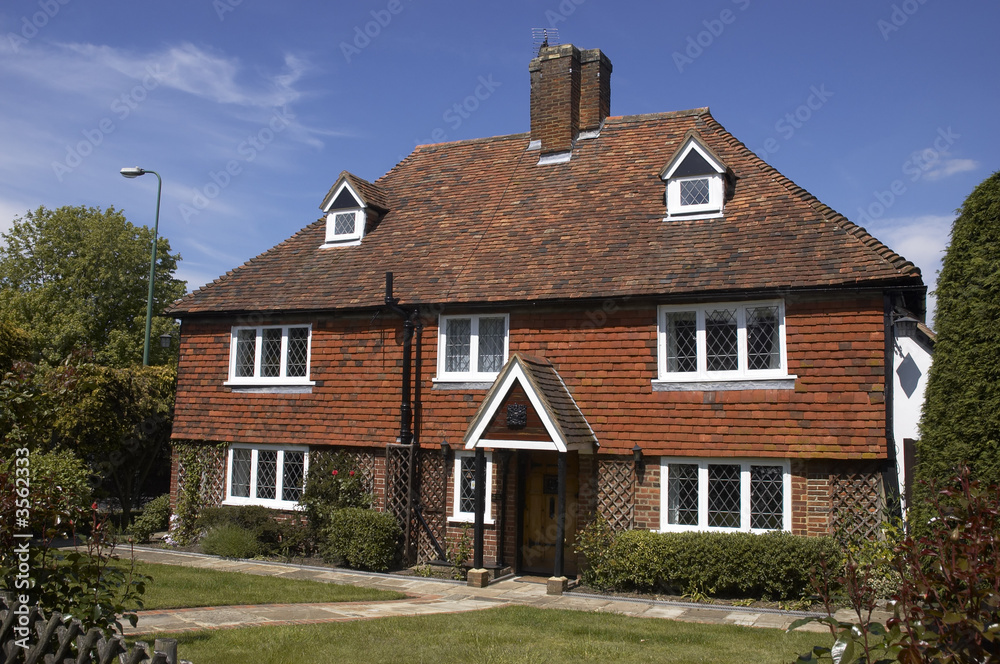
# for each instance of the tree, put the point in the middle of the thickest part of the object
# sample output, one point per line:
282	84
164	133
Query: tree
78	277
961	420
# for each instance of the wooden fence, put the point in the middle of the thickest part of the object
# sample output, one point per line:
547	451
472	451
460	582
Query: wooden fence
27	637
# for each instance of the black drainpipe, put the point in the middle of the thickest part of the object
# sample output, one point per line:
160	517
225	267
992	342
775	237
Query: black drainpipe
890	473
405	413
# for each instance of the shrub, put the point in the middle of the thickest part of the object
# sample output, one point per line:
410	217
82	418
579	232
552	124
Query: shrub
230	541
361	539
155	517
773	565
251	517
333	483
947	606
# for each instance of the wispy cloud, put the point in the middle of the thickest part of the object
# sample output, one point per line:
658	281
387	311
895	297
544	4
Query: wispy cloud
201	73
948	167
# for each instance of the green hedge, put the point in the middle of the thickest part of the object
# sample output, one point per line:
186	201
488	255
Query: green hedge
774	565
361	539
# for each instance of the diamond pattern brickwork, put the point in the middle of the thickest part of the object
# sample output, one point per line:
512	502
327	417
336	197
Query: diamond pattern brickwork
616	492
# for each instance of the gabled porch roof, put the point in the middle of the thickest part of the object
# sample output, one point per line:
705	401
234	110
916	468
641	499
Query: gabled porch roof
560	425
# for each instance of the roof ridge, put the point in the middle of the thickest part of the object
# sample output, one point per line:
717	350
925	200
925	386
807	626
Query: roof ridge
896	260
481	139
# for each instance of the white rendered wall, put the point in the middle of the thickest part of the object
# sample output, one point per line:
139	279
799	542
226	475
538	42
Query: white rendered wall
911	362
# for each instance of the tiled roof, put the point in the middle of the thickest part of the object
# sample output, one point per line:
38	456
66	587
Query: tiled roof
480	222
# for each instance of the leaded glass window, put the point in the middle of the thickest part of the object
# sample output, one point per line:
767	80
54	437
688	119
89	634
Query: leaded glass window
492	335
298	351
767	498
241	473
267	474
472	345
343	223
721	340
467	481
293	475
246	352
724	495
270	353
682	505
694	192
763	345
459	344
682	341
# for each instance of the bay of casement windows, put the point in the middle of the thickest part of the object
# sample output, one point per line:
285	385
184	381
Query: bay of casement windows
268	475
725	494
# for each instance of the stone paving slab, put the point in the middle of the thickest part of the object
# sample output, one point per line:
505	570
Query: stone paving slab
425	596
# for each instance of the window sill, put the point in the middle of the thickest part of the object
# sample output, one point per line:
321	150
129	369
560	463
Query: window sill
470	383
270	504
347	242
716	214
279	386
723	385
471	518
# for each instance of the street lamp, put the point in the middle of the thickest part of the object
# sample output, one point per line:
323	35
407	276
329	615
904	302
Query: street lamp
130	173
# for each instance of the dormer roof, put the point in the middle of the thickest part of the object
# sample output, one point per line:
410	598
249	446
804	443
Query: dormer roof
339	197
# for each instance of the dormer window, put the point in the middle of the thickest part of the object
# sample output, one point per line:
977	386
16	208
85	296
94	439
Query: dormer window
696	182
345	216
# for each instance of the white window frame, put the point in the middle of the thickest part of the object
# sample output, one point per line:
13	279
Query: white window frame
277	502
716	187
743	373
282	378
703	465
340	239
473	375
469	517
715	198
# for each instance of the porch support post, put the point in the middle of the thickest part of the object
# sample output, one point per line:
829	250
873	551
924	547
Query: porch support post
480	507
560	516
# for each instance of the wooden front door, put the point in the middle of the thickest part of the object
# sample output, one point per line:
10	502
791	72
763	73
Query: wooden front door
541	502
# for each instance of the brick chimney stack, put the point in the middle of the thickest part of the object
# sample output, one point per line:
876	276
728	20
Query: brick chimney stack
570	93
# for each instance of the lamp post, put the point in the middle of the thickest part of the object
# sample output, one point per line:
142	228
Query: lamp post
130	173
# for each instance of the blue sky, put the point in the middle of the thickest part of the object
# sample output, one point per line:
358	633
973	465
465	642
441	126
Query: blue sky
883	109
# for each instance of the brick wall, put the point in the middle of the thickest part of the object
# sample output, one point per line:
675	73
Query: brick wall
606	356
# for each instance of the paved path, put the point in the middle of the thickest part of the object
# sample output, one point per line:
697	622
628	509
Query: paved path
424	596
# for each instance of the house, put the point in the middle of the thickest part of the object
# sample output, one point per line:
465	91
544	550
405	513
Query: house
631	315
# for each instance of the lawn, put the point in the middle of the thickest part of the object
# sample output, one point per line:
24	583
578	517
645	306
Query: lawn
507	634
175	587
